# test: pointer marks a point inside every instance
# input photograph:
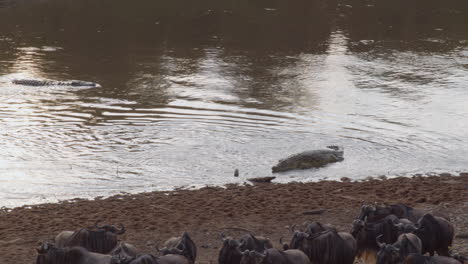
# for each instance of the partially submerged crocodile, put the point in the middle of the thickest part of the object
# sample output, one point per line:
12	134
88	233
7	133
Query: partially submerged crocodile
310	159
44	82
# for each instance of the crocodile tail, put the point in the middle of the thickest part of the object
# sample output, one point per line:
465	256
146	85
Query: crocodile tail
336	148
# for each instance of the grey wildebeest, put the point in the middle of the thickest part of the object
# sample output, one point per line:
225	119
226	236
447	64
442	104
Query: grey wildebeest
397	252
274	256
49	254
436	234
420	259
366	234
376	212
182	245
103	240
150	259
326	247
124	250
230	253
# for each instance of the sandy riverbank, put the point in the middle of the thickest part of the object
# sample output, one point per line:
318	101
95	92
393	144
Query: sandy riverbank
266	209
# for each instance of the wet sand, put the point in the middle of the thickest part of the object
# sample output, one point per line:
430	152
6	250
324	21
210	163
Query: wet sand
265	208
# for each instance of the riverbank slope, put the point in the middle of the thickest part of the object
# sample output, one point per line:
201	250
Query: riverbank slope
266	209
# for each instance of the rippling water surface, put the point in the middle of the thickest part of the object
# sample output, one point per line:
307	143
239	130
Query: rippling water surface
190	92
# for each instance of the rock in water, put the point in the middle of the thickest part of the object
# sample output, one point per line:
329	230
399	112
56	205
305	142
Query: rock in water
310	159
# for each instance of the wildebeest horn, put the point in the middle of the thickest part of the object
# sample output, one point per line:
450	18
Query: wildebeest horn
245	252
121	230
380	244
223	236
293	229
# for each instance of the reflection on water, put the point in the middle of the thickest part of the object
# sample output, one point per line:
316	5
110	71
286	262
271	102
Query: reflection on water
192	91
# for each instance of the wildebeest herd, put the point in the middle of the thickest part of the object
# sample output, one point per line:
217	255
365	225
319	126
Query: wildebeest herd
381	234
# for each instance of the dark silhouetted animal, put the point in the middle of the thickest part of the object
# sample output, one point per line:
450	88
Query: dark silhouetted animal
103	240
436	234
230	253
182	245
398	251
326	247
366	233
375	212
274	256
49	254
420	259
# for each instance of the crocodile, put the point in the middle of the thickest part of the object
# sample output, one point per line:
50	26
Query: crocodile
45	82
310	159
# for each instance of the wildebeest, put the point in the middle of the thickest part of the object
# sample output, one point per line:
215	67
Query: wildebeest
150	259
230	253
420	259
182	245
49	254
366	233
398	251
103	240
326	247
375	212
436	234
274	256
124	250
250	241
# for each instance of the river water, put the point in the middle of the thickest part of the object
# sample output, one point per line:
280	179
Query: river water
192	91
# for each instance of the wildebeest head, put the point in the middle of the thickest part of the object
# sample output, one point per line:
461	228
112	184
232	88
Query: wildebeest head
388	254
298	241
373	213
436	234
124	251
358	225
111	228
253	257
252	242
230	253
370	230
182	245
367	211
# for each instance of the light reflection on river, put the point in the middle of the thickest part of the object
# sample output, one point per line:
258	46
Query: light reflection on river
190	94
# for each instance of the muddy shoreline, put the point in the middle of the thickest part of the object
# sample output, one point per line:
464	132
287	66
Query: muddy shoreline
264	208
